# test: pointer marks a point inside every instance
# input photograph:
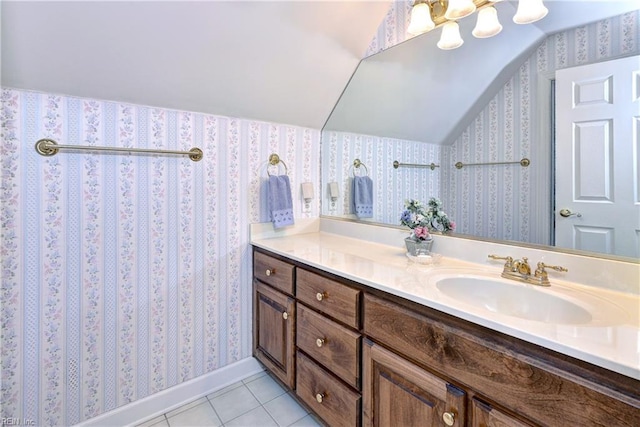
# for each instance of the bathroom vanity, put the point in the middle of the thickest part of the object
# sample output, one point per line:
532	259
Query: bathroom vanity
363	336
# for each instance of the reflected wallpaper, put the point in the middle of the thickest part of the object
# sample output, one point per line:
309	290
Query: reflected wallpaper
501	201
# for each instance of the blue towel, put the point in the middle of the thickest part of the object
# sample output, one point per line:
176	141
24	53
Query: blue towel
362	197
280	203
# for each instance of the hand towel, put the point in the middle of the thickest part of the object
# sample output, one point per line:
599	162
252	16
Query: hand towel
280	203
362	197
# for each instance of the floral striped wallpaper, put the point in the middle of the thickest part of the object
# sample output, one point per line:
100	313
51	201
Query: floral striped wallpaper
393	29
500	201
340	149
123	275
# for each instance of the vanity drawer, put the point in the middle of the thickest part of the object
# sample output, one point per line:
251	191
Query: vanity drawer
333	346
328	296
334	402
274	272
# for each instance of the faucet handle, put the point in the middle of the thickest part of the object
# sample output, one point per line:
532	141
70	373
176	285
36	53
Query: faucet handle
541	273
542	266
509	260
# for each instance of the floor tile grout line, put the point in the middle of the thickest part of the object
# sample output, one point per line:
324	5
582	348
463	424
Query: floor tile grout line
242	383
262	404
244	413
271	416
305	415
214	411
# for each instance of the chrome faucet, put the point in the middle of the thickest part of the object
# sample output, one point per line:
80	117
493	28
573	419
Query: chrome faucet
520	270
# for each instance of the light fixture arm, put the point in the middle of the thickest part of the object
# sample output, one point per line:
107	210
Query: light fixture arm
424	19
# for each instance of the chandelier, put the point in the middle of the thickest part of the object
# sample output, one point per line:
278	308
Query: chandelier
429	14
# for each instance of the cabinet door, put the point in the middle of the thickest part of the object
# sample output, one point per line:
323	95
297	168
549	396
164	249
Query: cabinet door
399	393
274	332
484	415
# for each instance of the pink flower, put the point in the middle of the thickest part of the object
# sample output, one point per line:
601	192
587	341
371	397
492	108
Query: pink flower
421	233
452	225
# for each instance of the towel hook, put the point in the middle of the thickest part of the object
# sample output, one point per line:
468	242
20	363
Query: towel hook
274	160
356	165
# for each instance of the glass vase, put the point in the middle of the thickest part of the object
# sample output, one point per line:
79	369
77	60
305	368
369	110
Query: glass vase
418	247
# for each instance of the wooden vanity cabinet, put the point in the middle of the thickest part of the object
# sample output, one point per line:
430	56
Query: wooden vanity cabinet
359	356
274	316
307	333
525	384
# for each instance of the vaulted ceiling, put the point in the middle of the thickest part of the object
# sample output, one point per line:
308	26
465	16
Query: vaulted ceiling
278	61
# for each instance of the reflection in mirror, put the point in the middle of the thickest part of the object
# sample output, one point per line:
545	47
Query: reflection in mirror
497	202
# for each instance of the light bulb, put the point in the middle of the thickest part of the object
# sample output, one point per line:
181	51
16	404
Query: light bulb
421	21
458	9
450	38
487	24
529	11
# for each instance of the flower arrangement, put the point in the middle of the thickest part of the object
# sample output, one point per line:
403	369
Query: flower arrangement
424	219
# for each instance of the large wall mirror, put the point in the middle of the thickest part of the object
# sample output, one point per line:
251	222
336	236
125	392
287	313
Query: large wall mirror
489	102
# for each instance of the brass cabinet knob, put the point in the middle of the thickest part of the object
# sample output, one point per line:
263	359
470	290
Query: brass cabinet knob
319	397
270	271
320	296
285	315
449	418
320	342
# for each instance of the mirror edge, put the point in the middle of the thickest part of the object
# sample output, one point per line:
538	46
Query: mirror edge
547	248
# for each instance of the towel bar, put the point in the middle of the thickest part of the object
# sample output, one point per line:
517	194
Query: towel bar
49	147
397	164
524	163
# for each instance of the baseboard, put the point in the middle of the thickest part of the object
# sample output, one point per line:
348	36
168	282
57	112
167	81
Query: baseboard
166	400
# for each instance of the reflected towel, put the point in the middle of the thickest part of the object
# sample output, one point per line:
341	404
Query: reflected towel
280	203
362	200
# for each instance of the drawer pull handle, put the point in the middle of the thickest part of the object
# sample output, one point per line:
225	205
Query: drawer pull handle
449	418
270	272
320	342
319	397
320	296
285	315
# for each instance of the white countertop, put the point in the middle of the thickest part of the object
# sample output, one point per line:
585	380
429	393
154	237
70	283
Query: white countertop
611	339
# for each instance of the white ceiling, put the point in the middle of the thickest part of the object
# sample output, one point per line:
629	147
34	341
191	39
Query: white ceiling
278	61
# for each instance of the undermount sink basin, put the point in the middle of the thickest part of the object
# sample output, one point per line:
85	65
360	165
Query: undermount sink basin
513	299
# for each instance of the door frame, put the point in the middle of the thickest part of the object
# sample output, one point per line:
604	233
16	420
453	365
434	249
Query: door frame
544	150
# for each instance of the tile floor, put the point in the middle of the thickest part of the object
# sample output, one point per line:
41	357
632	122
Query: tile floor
257	401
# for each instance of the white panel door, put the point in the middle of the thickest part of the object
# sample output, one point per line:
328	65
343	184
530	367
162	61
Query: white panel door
597	164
